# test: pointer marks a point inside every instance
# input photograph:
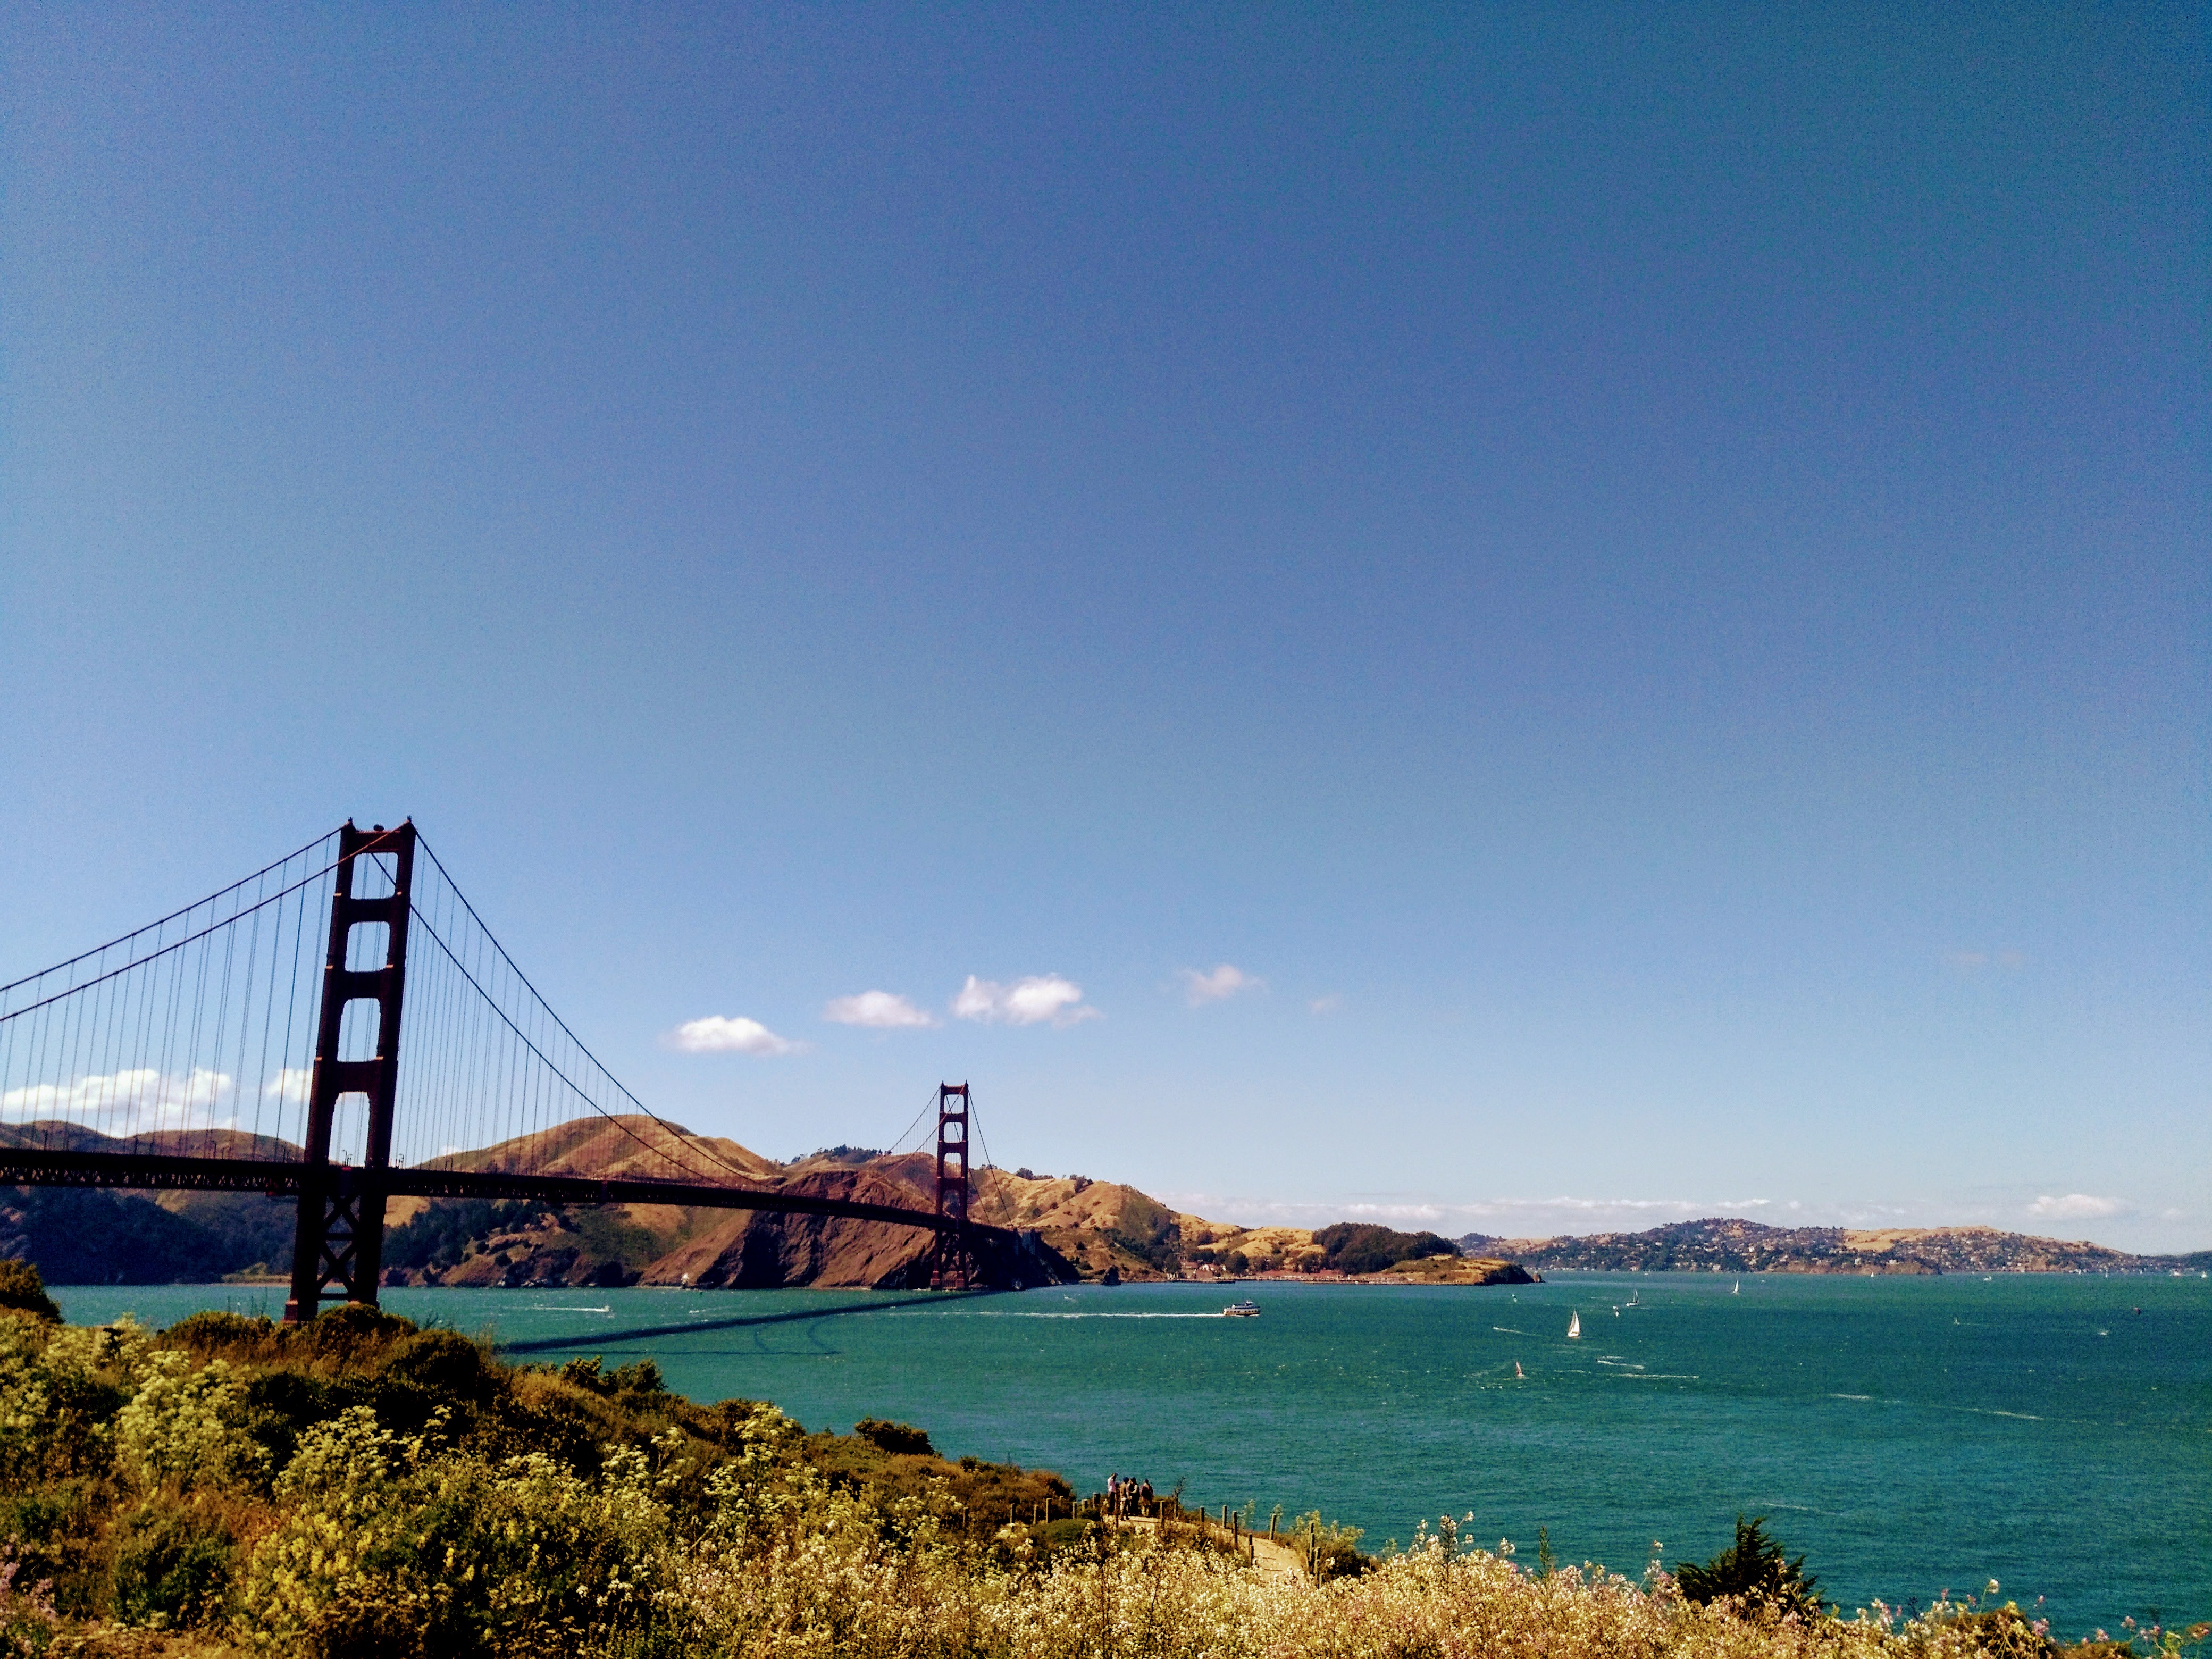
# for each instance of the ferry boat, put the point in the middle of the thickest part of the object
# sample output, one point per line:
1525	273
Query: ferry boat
1241	1310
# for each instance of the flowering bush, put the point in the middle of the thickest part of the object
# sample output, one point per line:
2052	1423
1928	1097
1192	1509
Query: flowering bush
186	1428
27	1611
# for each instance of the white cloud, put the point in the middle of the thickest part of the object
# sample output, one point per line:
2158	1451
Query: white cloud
1328	1005
1224	982
879	1011
2074	1206
728	1034
1042	998
292	1085
126	1101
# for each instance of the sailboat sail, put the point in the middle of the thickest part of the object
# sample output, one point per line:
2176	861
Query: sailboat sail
1574	1324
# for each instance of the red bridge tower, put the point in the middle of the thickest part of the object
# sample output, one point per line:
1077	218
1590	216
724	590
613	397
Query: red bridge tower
952	1263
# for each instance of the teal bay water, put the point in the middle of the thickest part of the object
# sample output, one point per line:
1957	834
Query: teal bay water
1909	1434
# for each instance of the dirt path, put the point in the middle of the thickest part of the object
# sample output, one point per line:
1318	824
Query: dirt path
1268	1554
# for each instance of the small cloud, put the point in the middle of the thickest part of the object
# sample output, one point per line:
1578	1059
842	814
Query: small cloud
292	1085
879	1011
1222	983
1328	1005
2074	1206
728	1034
1968	960
1042	998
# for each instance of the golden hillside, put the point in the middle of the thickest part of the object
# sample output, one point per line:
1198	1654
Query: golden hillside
1098	1229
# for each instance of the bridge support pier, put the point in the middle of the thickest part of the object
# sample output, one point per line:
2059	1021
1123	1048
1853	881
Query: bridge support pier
338	1252
952	1261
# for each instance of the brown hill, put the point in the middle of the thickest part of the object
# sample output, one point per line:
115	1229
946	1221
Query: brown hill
164	1143
761	1249
450	1241
1098	1227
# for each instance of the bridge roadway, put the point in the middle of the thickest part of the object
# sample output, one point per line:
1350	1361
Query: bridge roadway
31	1167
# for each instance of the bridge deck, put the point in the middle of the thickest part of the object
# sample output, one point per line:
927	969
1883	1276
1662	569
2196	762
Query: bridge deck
29	1167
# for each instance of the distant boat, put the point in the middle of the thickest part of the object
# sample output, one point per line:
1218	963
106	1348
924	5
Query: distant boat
1632	1301
1518	1372
1736	1289
1241	1310
1574	1325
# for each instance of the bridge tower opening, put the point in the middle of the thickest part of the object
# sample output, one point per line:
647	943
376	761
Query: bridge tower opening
952	1263
338	1252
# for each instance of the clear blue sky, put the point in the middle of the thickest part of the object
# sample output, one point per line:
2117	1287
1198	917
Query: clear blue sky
1639	573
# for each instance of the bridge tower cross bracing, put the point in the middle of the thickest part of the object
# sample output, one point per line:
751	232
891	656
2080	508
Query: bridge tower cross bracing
952	1261
338	1251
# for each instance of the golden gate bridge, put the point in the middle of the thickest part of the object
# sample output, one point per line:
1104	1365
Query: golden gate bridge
215	1050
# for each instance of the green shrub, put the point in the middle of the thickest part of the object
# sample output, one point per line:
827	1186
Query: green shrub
641	1378
445	1362
172	1566
897	1438
54	1531
1753	1571
21	1291
210	1332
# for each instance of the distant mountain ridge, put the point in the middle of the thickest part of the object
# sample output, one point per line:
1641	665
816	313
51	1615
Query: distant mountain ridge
1088	1229
1730	1245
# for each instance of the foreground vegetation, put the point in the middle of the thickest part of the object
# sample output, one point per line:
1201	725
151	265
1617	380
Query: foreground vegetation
361	1486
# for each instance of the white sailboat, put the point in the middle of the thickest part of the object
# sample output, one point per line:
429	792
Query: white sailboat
1574	1325
1518	1372
1736	1289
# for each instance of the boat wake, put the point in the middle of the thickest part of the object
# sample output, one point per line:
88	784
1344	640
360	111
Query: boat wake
1933	1406
985	1313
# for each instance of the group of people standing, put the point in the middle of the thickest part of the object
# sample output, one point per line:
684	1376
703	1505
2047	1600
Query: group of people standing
1127	1496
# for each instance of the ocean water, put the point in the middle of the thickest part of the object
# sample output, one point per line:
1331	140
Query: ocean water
1908	1436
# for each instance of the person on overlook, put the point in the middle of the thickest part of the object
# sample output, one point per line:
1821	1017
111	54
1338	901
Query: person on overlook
1145	1496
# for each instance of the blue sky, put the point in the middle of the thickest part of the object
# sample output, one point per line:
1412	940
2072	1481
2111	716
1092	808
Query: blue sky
1639	575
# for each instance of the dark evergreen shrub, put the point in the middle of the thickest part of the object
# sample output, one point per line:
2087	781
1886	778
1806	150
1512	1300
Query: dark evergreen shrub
1753	1570
899	1438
